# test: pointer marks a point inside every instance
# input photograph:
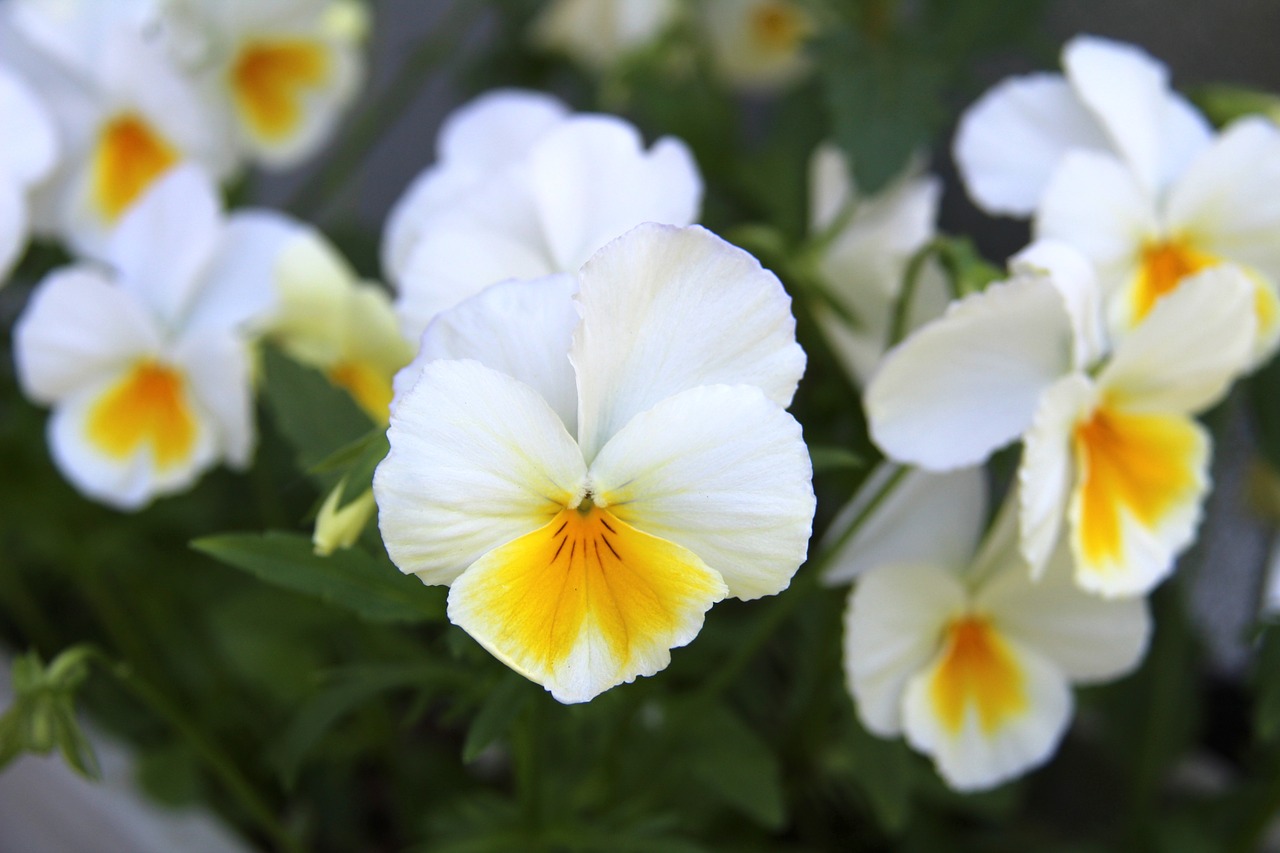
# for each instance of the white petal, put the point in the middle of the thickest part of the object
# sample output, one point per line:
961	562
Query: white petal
477	459
593	181
1096	205
166	239
1074	277
218	368
30	154
312	282
77	331
892	628
830	185
969	382
925	518
13	225
1195	342
665	309
973	758
248	274
520	328
1226	203
1047	471
1090	638
722	471
1009	142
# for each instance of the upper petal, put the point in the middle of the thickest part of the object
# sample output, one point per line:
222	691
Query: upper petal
970	381
666	309
30	154
1075	279
722	471
477	459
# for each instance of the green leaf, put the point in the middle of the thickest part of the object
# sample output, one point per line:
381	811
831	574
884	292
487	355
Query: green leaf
347	455
734	763
1225	104
882	770
317	417
360	478
371	588
827	458
498	711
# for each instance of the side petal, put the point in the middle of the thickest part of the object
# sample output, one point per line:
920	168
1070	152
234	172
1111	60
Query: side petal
892	626
926	518
1090	638
78	330
477	459
584	603
722	471
13	225
249	275
29	155
220	373
1009	142
1195	342
988	708
520	328
667	309
1074	277
969	382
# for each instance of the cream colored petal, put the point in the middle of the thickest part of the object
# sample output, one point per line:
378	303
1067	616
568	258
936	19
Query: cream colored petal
1074	277
29	155
477	459
220	377
666	309
13	225
722	471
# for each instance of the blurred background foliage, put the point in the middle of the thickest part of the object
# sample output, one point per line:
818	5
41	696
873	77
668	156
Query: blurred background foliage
327	704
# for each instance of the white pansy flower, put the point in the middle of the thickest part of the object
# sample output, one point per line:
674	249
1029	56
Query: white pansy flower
1112	446
1114	98
758	44
1224	206
28	156
144	364
125	115
590	472
865	246
600	33
962	652
530	202
280	73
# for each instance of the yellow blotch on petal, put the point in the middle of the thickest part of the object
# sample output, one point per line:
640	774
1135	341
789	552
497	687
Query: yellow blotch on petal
371	388
778	27
1136	465
979	671
270	80
585	577
130	154
147	408
1164	265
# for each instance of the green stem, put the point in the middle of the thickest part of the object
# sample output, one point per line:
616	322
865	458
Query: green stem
368	127
910	282
221	766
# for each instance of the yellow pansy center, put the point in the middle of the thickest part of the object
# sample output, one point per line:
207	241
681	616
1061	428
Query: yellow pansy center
588	587
147	408
130	154
1164	264
977	671
1137	466
269	81
370	387
778	27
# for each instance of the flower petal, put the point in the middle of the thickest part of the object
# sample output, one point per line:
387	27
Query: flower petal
1074	277
520	328
477	459
77	331
926	518
30	155
220	377
584	603
969	382
722	471
989	708
13	225
666	309
250	272
895	616
1009	142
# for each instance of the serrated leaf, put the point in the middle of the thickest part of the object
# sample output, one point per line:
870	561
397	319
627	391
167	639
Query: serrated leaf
497	712
314	415
827	458
371	588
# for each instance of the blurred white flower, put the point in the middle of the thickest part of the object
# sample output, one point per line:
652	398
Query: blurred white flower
27	157
600	33
865	246
522	190
953	645
144	364
1114	99
758	44
591	472
125	114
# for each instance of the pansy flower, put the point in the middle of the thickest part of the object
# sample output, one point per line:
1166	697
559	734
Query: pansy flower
144	363
758	45
589	472
599	35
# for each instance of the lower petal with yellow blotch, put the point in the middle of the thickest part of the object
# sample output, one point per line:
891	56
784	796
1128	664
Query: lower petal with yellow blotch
585	603
1140	481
